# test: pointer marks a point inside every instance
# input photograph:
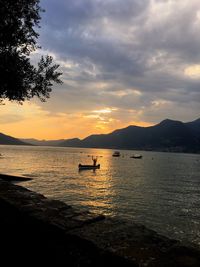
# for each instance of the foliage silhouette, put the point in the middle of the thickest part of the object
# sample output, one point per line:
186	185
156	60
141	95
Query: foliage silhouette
20	79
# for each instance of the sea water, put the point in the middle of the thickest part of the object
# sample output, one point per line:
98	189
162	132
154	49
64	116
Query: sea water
161	190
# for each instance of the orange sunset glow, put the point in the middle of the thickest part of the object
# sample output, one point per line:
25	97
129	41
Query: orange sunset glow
31	121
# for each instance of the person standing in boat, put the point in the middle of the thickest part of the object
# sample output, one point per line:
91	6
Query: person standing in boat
94	161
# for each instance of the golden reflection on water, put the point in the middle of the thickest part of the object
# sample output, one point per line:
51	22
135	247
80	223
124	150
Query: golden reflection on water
98	184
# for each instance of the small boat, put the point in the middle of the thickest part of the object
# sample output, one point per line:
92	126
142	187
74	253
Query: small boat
116	154
136	156
88	167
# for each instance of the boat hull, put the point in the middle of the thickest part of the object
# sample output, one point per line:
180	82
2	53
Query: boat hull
116	154
88	167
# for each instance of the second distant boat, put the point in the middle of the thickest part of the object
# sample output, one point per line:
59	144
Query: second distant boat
116	154
136	156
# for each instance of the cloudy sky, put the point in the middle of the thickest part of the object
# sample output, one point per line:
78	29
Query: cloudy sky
123	61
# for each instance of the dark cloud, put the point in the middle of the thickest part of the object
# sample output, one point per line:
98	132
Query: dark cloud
109	46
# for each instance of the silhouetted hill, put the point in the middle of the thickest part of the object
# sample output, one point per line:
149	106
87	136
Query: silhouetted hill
9	140
43	142
60	142
168	135
74	142
195	127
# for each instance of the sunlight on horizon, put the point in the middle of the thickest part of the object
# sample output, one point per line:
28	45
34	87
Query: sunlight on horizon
31	121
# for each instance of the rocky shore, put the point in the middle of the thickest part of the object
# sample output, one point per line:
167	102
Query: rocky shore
37	230
13	178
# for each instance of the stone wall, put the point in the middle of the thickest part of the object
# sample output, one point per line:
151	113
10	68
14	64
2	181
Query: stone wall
37	230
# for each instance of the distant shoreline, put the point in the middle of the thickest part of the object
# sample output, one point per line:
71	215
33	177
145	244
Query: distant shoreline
13	178
110	148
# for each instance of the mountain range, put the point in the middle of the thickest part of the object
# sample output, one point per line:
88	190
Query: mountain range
9	140
168	135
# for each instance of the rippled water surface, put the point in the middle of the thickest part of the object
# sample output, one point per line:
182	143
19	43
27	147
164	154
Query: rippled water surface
161	190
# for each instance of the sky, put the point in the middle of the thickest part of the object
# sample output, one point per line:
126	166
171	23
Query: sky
124	62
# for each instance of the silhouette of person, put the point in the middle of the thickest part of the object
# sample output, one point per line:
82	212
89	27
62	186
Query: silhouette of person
94	160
